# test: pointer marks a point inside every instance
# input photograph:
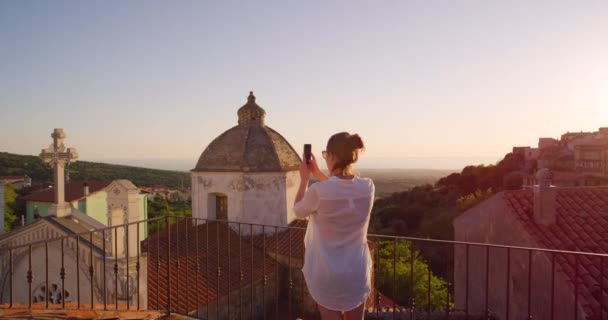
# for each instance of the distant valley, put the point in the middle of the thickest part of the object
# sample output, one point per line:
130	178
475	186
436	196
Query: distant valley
387	181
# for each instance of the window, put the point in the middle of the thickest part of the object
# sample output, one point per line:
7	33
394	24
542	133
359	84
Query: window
221	207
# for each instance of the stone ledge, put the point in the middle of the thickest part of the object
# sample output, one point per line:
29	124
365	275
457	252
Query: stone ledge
38	311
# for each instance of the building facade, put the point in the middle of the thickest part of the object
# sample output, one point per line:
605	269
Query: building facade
18	182
104	252
544	216
88	197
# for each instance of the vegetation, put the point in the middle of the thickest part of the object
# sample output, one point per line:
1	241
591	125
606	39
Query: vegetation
389	181
396	272
13	164
428	211
159	206
10	207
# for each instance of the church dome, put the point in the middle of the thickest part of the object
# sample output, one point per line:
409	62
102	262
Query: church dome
250	146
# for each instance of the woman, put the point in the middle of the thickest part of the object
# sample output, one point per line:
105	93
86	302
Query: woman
337	263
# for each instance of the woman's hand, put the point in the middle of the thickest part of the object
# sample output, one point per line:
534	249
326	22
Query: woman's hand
305	171
314	168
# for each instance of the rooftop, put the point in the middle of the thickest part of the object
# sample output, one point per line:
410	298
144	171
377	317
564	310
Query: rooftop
14	178
74	190
581	225
208	247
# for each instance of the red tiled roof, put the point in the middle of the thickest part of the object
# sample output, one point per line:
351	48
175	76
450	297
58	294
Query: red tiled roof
18	178
73	191
581	225
290	240
188	245
386	302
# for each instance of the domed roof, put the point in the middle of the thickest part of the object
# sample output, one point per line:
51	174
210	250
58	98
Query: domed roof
250	146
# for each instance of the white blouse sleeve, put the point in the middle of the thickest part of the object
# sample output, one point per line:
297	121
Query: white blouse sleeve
308	204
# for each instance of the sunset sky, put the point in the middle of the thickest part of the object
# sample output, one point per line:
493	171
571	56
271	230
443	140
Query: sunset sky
435	84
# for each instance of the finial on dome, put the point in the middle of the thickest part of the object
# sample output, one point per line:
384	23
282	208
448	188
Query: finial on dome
251	113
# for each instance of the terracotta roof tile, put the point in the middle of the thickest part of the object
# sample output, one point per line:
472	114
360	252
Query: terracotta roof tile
386	302
19	178
204	248
580	225
73	191
290	240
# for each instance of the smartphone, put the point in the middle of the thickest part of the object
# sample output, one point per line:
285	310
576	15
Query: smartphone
307	153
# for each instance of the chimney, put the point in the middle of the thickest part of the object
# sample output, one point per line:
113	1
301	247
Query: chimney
1	208
85	187
544	198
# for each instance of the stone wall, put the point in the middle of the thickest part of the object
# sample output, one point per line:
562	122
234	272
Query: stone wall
257	198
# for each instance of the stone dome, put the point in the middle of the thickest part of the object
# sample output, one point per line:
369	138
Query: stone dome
250	146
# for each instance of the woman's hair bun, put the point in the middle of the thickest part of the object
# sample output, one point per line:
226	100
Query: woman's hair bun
356	141
346	147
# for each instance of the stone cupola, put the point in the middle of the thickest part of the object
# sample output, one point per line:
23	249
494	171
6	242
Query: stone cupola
247	174
251	113
250	146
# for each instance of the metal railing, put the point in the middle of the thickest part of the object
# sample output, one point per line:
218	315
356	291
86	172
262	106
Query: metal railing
232	270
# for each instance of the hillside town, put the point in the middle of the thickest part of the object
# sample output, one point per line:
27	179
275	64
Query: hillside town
304	160
105	233
575	159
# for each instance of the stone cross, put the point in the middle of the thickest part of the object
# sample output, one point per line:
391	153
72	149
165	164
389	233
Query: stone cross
57	156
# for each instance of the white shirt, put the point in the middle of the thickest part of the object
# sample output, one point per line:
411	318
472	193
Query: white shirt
337	262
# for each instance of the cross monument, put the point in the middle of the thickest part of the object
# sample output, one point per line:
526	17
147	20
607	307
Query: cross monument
57	157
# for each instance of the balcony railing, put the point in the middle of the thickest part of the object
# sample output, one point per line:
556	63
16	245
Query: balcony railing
231	270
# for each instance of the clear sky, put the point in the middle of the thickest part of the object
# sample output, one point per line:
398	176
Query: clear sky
425	83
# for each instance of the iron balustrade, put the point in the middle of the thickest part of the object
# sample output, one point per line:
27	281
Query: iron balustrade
181	277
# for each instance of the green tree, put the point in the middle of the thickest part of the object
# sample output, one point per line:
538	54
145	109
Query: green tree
472	199
10	207
401	281
159	206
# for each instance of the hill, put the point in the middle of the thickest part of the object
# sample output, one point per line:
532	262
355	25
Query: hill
427	211
389	181
14	164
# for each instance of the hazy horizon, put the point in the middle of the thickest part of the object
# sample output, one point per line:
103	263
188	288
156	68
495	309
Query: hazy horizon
420	163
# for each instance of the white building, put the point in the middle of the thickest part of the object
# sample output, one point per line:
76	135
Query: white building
123	206
69	256
247	174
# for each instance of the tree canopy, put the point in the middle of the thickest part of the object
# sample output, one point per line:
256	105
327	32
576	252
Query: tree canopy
159	206
10	207
35	168
407	274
